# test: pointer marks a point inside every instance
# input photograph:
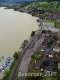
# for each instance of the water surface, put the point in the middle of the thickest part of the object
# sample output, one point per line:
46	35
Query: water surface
14	28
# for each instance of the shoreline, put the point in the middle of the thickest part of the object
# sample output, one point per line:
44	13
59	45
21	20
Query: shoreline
41	14
4	7
23	12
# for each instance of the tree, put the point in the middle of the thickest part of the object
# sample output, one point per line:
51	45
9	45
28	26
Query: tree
16	55
45	63
50	43
34	78
33	33
55	24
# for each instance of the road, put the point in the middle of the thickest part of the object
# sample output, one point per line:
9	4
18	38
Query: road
27	57
24	60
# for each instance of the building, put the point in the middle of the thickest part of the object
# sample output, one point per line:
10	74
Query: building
56	49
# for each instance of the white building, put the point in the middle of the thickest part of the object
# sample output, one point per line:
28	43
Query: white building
56	49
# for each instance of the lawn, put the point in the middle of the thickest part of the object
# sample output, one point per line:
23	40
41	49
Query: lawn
31	68
34	57
52	21
47	78
57	24
37	57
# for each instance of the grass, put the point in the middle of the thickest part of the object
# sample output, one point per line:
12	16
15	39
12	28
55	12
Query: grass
32	68
53	21
58	25
37	57
37	50
47	78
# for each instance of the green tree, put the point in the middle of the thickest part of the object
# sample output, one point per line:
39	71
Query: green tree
16	55
34	78
55	24
33	33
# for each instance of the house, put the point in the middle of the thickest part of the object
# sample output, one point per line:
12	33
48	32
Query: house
45	42
48	69
56	49
39	65
58	42
50	56
42	53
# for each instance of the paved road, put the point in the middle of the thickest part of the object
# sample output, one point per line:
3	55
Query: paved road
24	60
28	51
27	57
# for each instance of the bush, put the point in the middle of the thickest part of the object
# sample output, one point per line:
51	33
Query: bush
16	55
50	43
34	78
33	33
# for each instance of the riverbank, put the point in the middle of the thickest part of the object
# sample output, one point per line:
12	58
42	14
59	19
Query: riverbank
34	12
47	11
5	63
12	29
43	10
8	73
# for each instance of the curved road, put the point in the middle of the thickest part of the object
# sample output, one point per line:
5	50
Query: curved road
27	56
23	62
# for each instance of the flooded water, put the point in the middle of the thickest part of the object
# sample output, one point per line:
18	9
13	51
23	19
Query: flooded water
15	27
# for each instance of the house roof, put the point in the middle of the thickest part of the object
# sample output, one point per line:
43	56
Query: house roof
48	68
42	53
39	65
